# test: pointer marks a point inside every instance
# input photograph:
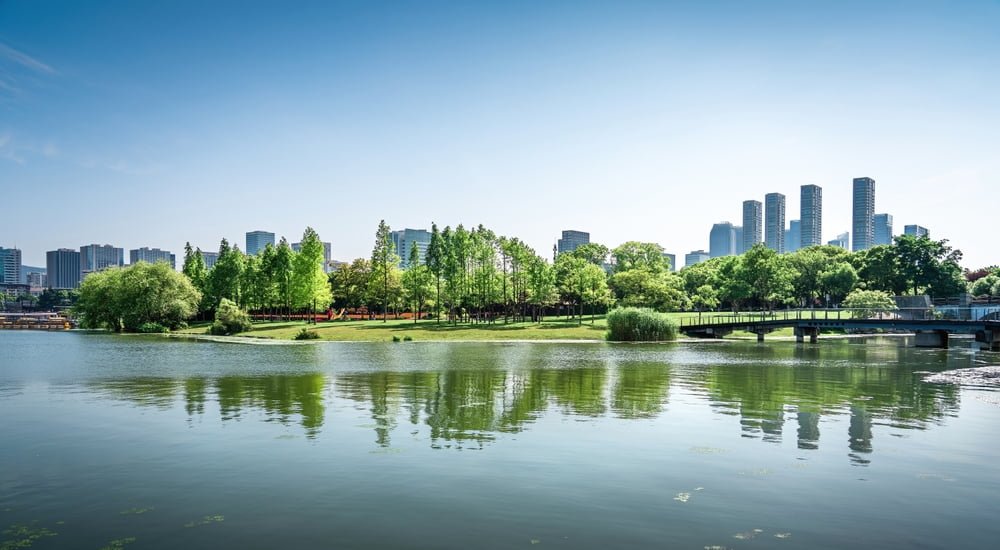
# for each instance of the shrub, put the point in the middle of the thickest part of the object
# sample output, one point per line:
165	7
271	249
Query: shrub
407	338
395	338
869	303
306	334
152	328
230	319
632	324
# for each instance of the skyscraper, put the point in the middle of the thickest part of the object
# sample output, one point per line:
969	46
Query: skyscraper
10	266
738	239
722	240
793	236
916	231
753	224
841	241
811	216
883	229
210	258
863	225
63	268
95	257
571	240
152	255
695	257
406	239
672	259
774	222
257	240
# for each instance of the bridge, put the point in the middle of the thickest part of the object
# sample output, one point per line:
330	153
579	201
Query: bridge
929	331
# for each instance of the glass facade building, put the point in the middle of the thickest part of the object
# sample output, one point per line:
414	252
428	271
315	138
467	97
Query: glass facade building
863	221
774	222
810	217
63	268
722	240
257	240
571	240
753	224
883	229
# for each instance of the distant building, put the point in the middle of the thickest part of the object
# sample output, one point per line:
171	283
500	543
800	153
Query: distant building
774	222
95	257
63	268
883	229
672	259
571	240
722	240
10	266
210	258
26	269
257	240
916	231
327	255
753	224
37	280
793	236
810	216
152	255
738	239
863	224
404	241
842	240
695	257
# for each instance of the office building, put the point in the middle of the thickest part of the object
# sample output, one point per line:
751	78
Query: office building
883	229
63	268
753	224
722	240
863	222
774	222
842	240
571	240
916	231
152	255
327	254
793	236
257	240
406	239
738	239
810	217
26	269
672	259
210	258
36	280
695	257
10	266
95	257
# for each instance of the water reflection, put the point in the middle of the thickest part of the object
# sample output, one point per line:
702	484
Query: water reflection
467	396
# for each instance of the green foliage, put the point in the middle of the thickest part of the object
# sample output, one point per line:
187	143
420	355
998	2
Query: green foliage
766	275
417	284
224	279
407	338
868	303
986	286
50	299
230	319
705	298
632	324
384	281
636	255
592	253
349	284
306	334
396	338
309	285
152	328
126	298
838	280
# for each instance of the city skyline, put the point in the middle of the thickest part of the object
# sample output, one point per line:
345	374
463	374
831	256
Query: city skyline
598	114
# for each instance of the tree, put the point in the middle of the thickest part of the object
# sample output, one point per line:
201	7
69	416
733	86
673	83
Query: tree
594	288
637	255
765	274
867	303
931	266
416	283
385	265
838	280
349	284
593	253
230	319
194	267
224	278
986	286
281	271
309	284
704	298
435	264
126	298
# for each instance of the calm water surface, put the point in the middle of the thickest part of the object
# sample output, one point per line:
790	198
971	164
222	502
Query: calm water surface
144	442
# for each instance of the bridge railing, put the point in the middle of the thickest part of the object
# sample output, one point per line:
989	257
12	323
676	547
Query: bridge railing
694	319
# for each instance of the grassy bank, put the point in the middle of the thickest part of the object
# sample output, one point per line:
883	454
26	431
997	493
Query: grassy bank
377	331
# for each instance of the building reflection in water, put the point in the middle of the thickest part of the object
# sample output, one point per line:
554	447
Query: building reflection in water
467	396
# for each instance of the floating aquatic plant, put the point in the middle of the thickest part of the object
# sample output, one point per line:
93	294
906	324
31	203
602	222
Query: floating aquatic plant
135	511
205	521
118	544
23	536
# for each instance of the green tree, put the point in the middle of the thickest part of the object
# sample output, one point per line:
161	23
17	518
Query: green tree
224	278
869	303
416	283
705	297
281	271
637	255
764	272
838	280
127	298
230	319
350	284
434	259
385	265
593	253
310	287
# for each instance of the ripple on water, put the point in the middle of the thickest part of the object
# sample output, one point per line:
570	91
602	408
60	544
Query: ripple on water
975	376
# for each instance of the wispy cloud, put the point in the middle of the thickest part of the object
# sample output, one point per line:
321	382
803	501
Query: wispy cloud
25	60
18	150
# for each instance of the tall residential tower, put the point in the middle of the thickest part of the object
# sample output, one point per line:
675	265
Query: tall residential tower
811	216
863	224
753	224
774	222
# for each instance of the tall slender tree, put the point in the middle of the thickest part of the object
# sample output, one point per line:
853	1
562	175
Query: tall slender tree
384	262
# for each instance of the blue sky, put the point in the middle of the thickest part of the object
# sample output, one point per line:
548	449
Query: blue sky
155	123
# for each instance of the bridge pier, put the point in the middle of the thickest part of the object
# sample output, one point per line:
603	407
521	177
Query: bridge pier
802	332
989	340
932	339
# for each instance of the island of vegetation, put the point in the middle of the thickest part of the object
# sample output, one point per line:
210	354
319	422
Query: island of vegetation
475	285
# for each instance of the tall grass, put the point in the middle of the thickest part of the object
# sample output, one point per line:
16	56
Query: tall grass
632	324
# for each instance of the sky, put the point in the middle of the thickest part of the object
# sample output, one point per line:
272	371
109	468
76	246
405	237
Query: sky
157	123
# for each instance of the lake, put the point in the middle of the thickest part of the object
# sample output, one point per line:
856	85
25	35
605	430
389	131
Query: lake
111	441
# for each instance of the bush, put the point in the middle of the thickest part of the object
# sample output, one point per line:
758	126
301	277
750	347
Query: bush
306	334
407	338
869	303
396	338
230	319
152	328
632	324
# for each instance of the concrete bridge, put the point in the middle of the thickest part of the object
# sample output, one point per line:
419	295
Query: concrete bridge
810	322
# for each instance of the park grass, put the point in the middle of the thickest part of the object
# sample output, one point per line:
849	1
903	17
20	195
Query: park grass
553	328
